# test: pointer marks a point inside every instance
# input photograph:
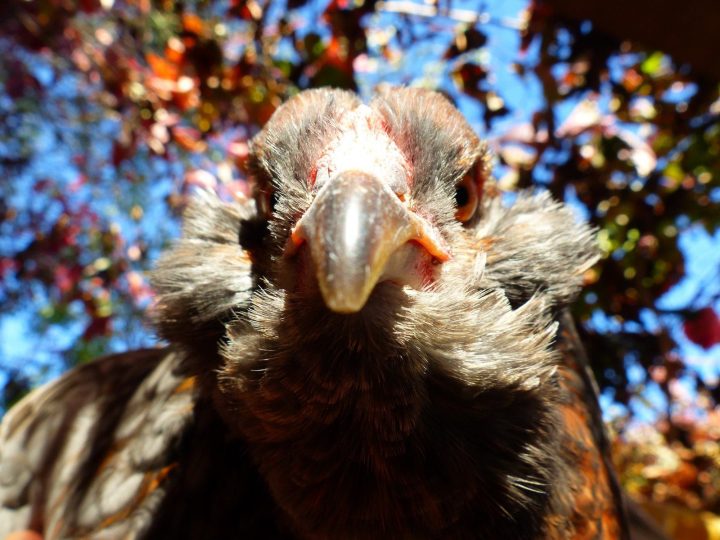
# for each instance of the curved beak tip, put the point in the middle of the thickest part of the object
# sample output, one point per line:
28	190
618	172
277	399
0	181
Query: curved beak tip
352	228
344	306
344	292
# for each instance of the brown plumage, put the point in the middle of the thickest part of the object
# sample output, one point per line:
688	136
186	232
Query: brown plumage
371	348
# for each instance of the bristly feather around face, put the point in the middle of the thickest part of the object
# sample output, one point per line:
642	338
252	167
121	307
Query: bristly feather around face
536	245
206	278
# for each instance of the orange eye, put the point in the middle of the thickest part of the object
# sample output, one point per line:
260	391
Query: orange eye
466	197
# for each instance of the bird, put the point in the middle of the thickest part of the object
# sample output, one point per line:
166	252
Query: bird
376	343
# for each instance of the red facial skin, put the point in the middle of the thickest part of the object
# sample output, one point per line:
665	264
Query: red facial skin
362	227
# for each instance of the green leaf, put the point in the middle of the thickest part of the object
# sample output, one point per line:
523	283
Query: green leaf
653	64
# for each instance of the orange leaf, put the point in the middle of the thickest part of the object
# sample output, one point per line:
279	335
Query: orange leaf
162	67
192	23
188	138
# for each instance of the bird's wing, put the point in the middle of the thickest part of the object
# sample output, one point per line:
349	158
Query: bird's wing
130	445
90	455
593	504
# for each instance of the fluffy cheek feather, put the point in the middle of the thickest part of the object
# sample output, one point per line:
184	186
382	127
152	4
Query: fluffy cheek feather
535	245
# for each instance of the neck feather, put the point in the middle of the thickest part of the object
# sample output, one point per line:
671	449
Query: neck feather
358	430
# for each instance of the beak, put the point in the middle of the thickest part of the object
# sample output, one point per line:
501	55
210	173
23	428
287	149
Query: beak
352	228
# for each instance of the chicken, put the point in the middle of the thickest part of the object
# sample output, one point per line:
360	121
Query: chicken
375	346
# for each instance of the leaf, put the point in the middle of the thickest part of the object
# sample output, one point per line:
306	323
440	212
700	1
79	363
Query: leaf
518	156
703	328
584	116
468	77
193	24
162	68
641	153
189	139
16	387
469	40
653	63
201	178
89	6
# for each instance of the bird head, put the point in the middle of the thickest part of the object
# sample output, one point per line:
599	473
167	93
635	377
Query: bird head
377	213
360	195
376	318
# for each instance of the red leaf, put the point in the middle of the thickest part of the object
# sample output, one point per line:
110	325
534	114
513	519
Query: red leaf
162	68
703	328
89	6
189	139
7	265
63	279
192	23
98	326
122	151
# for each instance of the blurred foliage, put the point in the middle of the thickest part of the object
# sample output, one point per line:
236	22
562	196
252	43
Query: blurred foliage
111	111
673	463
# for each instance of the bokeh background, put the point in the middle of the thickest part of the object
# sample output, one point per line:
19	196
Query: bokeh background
113	111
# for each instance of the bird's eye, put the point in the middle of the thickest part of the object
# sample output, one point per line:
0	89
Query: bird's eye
466	197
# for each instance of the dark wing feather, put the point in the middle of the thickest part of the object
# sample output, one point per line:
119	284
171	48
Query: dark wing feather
594	504
218	492
126	447
94	449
